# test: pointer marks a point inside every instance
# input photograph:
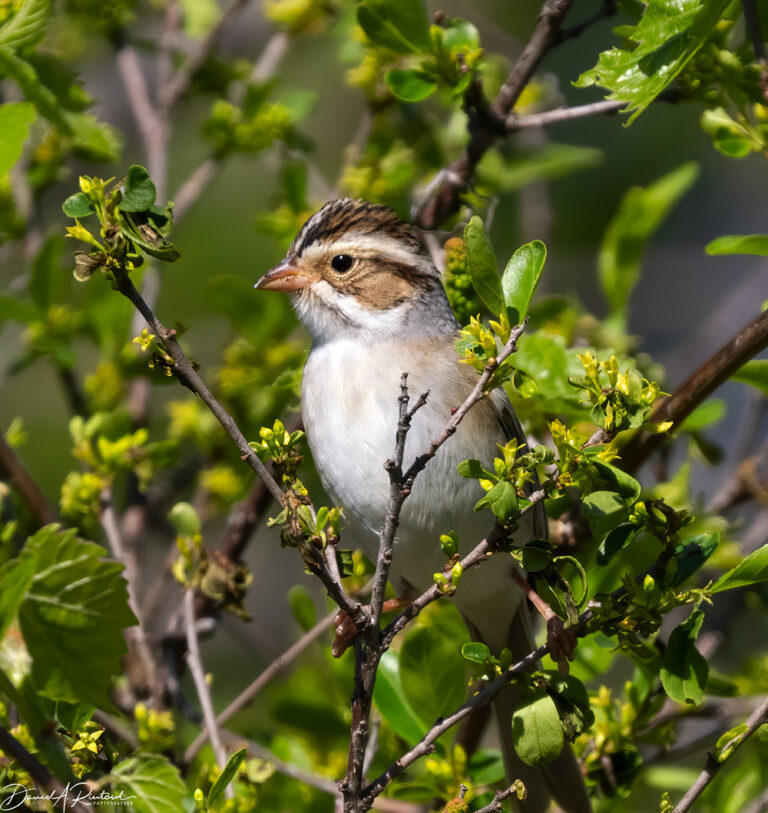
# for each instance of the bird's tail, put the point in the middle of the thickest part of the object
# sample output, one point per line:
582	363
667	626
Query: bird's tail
561	779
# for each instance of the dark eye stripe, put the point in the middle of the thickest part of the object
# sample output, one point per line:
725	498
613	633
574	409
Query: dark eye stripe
342	263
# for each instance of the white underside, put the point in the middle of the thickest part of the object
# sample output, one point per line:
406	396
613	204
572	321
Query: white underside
349	398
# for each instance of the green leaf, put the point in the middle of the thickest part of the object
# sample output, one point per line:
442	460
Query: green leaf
536	730
302	606
27	79
151	784
521	277
691	554
77	205
486	766
684	669
707	414
640	214
227	775
139	192
15	119
27	26
391	701
410	85
473	469
72	617
535	555
15	577
604	510
658	48
400	25
502	499
754	372
752	570
200	16
740	244
624	483
433	673
482	266
94	140
504	173
616	539
476	652
185	519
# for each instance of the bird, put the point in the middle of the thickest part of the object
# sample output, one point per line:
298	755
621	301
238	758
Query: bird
374	303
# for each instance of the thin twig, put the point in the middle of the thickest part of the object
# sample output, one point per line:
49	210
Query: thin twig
25	484
247	695
496	804
198	675
117	728
41	775
515	122
713	766
137	635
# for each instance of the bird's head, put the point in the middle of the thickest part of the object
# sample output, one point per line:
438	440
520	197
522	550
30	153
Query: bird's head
355	269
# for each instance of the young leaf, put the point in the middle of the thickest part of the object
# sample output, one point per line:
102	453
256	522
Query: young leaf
754	372
739	244
660	46
604	510
502	499
27	26
753	570
482	265
15	119
400	25
410	85
640	214
77	205
139	192
72	617
227	775
476	652
150	783
616	539
684	669
433	673
521	277
536	729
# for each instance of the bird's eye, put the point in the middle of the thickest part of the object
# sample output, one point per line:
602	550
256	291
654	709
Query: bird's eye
342	263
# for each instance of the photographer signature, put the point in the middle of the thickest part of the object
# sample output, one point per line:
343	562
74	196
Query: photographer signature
15	795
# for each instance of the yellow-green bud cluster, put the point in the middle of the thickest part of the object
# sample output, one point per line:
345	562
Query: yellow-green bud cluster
458	282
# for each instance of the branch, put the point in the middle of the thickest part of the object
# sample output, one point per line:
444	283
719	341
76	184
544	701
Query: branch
444	199
25	485
247	695
748	342
713	766
496	806
186	373
40	774
137	636
514	122
198	675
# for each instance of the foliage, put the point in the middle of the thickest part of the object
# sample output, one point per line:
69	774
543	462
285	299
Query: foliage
637	566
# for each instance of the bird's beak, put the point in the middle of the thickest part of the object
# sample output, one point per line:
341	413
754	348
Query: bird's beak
287	277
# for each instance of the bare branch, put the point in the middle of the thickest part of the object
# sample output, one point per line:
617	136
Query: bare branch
198	675
40	774
25	484
713	766
496	805
247	695
137	636
515	122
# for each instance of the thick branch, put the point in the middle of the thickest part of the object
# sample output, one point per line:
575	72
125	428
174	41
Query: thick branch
444	199
746	344
25	485
713	766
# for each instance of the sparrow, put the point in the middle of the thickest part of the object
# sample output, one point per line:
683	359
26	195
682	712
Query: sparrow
374	303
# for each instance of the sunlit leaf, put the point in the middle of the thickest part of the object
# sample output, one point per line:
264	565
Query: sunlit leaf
536	729
740	244
521	277
754	372
482	265
15	119
753	570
